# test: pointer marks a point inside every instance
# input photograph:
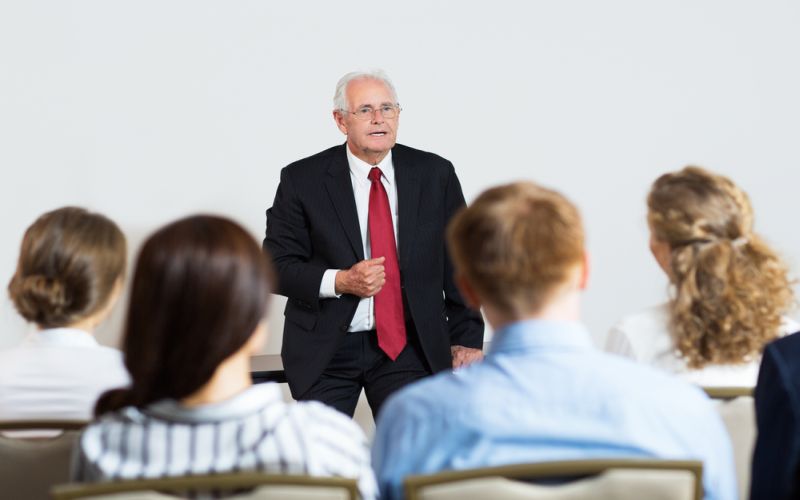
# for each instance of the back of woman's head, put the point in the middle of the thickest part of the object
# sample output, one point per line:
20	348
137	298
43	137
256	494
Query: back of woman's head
730	287
69	264
200	289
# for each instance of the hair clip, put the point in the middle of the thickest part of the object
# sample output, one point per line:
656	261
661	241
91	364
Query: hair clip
740	242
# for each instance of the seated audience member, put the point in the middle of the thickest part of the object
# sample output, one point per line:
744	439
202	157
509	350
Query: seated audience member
729	289
543	392
69	274
776	459
196	315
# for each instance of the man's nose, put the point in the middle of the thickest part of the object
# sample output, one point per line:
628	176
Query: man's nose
377	116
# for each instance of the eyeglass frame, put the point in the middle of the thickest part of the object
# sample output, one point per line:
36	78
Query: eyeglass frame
395	107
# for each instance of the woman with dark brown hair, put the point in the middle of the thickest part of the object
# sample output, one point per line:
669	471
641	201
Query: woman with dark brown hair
197	314
69	275
730	290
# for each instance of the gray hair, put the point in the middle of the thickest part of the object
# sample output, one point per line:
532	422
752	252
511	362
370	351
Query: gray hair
340	97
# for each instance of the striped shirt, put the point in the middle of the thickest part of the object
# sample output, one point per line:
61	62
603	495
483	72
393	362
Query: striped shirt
253	431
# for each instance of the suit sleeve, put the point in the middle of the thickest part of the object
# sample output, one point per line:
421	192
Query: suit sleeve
775	458
289	243
465	324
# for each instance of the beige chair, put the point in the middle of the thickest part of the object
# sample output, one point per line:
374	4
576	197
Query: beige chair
288	487
35	455
618	479
736	407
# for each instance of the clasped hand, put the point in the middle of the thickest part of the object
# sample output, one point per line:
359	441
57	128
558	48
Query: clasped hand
364	279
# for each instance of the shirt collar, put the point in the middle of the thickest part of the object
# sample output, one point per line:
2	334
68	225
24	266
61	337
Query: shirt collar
249	401
360	169
60	337
536	334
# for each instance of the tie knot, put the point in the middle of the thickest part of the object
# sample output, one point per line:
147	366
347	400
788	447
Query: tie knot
375	174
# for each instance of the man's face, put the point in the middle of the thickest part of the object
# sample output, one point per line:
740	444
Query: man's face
369	139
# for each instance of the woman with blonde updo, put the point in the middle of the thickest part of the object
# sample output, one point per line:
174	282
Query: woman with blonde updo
69	275
729	289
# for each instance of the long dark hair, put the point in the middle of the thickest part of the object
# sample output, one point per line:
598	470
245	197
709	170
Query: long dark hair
200	288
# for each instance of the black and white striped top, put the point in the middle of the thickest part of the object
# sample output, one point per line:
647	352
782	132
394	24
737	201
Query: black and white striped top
254	431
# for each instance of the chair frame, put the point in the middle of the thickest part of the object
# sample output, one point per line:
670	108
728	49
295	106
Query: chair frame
545	470
727	392
25	425
225	481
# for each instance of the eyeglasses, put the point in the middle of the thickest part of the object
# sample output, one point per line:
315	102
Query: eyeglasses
365	113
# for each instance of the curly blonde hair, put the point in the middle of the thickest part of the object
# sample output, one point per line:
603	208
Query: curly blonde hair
730	288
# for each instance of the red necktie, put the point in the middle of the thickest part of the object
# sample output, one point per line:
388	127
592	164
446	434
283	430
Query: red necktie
389	317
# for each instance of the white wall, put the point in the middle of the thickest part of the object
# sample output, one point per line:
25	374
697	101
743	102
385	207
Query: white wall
149	110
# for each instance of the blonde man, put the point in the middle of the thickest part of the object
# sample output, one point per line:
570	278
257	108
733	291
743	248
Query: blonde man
543	392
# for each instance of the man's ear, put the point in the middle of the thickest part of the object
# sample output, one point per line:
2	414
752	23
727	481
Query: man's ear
339	119
470	297
584	279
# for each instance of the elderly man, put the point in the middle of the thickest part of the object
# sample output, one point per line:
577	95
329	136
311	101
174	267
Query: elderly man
543	392
356	233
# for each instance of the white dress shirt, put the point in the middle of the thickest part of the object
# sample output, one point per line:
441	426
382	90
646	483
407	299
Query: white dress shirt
645	337
57	374
364	318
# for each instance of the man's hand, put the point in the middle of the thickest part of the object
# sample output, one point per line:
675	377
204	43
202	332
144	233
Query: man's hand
364	279
462	356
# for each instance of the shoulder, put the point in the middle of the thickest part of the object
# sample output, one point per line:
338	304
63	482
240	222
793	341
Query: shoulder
787	347
94	438
110	353
314	163
783	353
111	363
642	389
419	154
314	418
643	334
651	320
431	400
336	440
432	162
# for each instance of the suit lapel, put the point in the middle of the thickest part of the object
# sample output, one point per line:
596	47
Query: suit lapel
340	190
408	194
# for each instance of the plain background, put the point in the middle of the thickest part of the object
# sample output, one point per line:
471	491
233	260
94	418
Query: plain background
151	110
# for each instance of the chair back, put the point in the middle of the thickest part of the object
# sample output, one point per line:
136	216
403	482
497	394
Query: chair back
35	455
737	408
257	486
618	479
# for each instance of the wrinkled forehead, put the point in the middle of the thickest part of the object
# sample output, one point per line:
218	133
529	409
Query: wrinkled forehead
369	92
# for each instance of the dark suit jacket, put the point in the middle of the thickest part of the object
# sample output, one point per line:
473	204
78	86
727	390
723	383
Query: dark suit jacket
313	226
776	459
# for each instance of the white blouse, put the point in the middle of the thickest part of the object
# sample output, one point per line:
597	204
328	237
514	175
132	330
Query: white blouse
645	337
57	374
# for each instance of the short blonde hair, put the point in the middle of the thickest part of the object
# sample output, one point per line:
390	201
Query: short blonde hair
730	288
517	244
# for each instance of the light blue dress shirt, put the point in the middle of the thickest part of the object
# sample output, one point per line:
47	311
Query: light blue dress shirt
545	393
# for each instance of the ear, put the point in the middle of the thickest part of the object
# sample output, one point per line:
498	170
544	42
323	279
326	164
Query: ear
340	121
584	278
470	297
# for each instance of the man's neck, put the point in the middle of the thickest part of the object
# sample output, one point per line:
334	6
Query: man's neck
370	157
564	308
